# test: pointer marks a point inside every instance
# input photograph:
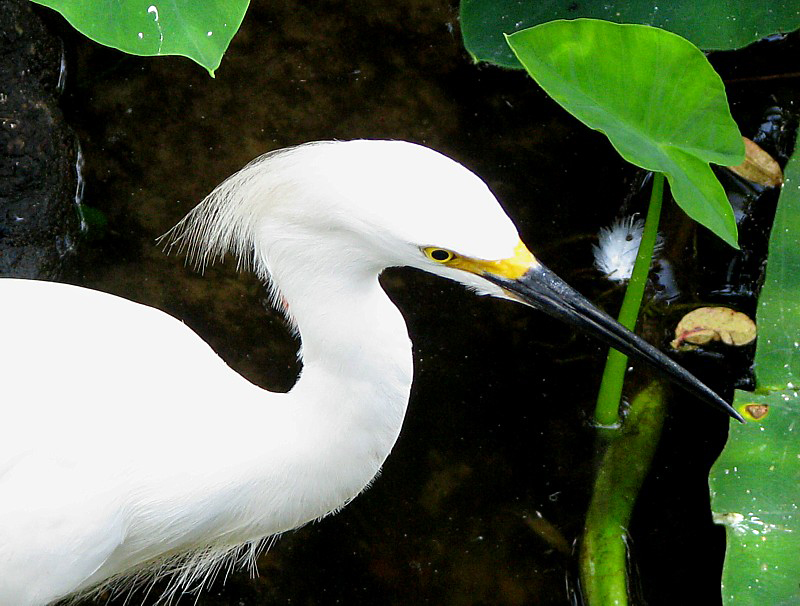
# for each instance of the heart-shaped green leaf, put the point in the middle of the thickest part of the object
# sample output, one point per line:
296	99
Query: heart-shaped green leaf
201	31
653	94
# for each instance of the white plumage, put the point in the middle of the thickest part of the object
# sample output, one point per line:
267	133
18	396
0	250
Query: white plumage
129	449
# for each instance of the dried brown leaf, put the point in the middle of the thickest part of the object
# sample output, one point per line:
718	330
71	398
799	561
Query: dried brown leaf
707	324
758	166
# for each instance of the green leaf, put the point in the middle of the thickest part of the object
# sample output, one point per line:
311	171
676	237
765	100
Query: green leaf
755	493
755	483
201	31
777	361
710	24
653	94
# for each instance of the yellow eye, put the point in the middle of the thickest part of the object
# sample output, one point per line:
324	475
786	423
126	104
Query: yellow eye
440	255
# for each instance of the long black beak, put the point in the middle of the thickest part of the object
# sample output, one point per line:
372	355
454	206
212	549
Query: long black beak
542	289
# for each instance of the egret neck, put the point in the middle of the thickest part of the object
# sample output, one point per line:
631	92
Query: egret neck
355	381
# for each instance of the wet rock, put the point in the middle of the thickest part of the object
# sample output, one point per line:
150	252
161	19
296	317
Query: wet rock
38	179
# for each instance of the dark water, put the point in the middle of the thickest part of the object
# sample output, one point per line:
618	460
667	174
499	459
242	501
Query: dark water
498	424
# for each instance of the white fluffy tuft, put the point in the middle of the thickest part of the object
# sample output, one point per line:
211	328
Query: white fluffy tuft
617	247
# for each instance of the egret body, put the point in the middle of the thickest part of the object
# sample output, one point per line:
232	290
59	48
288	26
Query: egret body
128	448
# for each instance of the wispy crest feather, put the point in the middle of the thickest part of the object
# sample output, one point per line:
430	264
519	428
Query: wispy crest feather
226	220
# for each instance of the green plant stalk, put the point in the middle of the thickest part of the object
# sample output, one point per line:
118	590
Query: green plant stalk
625	463
610	394
630	448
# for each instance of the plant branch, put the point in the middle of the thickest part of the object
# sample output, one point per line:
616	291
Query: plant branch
610	394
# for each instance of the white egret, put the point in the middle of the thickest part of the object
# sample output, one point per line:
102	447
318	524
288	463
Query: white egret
166	461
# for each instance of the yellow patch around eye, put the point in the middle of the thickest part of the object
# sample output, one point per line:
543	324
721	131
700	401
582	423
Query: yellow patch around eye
439	255
512	268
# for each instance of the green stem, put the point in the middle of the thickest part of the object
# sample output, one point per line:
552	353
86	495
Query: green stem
630	447
610	394
625	463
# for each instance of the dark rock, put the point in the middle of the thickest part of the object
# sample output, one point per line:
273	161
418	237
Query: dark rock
39	220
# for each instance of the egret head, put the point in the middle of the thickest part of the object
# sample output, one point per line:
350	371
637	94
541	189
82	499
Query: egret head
394	203
350	208
381	202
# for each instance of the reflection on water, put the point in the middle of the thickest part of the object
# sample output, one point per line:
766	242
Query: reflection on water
497	431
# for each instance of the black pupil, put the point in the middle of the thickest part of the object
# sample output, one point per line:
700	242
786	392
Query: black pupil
440	255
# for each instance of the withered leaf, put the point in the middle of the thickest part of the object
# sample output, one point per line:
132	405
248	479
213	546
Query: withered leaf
758	166
707	324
